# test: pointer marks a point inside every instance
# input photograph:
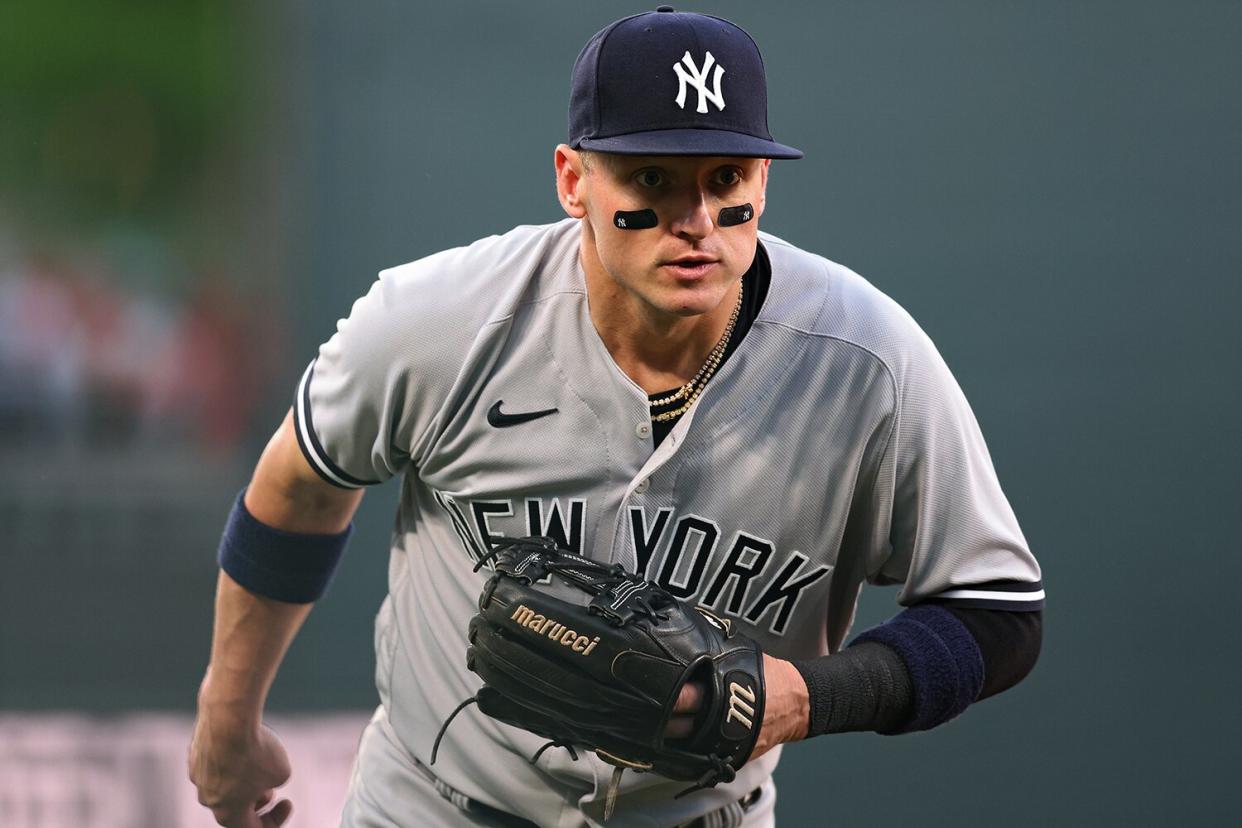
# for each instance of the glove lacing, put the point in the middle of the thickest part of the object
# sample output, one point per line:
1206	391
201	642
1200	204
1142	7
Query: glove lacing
555	743
435	748
721	771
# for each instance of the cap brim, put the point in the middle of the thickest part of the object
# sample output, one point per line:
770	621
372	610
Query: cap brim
690	142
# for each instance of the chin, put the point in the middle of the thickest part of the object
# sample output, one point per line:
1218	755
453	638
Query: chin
693	302
687	310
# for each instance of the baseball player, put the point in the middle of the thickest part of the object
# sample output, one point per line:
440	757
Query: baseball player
651	382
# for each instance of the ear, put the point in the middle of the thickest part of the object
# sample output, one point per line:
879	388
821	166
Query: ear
570	177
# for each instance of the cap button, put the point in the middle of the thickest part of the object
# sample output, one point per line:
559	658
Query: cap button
665	8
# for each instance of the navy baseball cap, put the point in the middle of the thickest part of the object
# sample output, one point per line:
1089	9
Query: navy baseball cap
672	83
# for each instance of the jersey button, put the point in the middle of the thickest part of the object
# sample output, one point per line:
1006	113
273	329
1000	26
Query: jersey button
642	486
643	430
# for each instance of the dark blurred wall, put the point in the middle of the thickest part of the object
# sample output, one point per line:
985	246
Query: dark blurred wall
138	337
1053	189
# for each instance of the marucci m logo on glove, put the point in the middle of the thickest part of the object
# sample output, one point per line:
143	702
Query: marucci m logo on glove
555	630
741	705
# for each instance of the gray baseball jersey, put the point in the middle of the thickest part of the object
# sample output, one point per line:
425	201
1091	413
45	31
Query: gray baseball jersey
833	448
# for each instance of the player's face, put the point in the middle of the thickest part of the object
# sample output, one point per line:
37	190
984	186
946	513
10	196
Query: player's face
687	263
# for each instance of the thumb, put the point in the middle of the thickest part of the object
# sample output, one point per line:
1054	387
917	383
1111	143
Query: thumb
247	819
277	816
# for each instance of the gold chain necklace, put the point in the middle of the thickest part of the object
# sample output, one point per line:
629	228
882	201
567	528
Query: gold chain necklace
692	389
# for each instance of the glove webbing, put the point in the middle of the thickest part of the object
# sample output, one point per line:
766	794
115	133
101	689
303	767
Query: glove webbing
593	577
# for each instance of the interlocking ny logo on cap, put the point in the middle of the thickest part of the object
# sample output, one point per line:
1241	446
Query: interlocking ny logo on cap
690	75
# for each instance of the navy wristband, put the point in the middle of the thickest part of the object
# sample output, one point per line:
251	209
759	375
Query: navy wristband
287	566
943	658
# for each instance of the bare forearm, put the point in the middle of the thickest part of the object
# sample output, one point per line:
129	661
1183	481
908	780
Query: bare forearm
250	637
252	632
234	761
284	540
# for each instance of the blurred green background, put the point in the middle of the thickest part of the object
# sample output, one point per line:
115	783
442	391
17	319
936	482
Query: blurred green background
192	193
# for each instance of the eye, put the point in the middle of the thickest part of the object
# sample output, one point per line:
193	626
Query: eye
728	176
649	178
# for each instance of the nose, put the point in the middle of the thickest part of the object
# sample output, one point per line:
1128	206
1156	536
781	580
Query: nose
691	218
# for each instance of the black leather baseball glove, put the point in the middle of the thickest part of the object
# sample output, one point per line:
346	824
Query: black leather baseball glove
605	671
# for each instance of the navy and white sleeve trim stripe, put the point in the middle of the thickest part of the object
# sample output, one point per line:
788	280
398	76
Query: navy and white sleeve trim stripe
308	441
1002	595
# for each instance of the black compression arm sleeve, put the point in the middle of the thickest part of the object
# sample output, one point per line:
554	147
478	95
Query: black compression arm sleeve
868	687
864	687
